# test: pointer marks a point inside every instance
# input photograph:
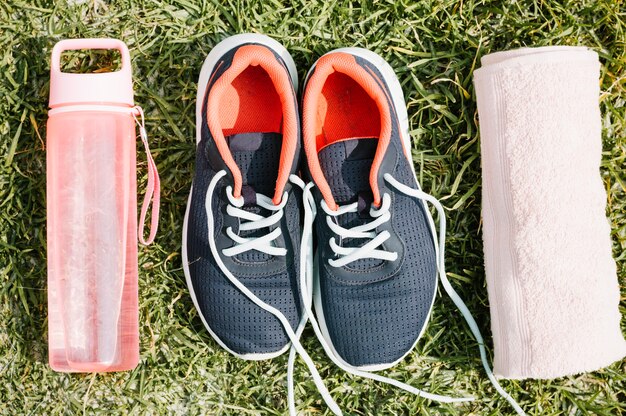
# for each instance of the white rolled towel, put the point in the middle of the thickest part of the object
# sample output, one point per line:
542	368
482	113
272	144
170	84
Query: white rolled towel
552	282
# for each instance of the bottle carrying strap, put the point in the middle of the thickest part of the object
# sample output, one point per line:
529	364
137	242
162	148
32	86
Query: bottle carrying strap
153	191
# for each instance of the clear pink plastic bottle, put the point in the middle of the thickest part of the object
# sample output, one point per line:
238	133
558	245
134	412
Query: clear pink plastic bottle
92	216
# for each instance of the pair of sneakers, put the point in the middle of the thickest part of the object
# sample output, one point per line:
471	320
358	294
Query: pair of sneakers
251	219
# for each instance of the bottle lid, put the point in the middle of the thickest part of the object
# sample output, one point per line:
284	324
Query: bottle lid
91	88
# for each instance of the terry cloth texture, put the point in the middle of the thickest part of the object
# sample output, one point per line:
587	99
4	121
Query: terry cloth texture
551	279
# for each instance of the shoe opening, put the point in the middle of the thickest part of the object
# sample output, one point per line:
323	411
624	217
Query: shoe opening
345	111
343	100
255	95
250	104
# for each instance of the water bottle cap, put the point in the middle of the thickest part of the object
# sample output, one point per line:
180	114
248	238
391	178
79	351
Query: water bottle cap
104	88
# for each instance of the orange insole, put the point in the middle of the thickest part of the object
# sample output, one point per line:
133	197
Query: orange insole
345	111
251	104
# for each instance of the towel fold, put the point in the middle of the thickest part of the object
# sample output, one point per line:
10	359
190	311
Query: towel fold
552	282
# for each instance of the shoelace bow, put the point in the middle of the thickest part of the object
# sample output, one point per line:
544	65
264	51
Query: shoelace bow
346	256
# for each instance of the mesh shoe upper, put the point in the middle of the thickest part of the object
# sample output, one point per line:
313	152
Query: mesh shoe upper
239	324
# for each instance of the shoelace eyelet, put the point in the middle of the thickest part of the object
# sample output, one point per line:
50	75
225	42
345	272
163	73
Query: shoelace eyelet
236	202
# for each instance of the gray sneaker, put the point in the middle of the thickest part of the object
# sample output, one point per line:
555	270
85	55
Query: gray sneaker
376	261
242	224
378	256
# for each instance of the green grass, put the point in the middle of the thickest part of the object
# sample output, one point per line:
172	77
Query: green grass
434	47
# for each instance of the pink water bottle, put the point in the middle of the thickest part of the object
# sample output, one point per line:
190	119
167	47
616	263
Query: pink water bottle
92	215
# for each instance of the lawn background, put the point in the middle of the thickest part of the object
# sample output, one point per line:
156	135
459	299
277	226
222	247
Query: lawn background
434	47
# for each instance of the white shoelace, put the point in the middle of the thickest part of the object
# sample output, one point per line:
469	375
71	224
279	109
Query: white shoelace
370	250
360	252
293	336
440	254
306	282
264	244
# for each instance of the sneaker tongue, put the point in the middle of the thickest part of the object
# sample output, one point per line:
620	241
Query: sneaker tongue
346	165
258	156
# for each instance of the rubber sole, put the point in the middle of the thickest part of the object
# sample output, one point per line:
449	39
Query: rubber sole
205	74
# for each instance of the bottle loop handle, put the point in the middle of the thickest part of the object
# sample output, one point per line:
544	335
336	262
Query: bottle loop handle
153	191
